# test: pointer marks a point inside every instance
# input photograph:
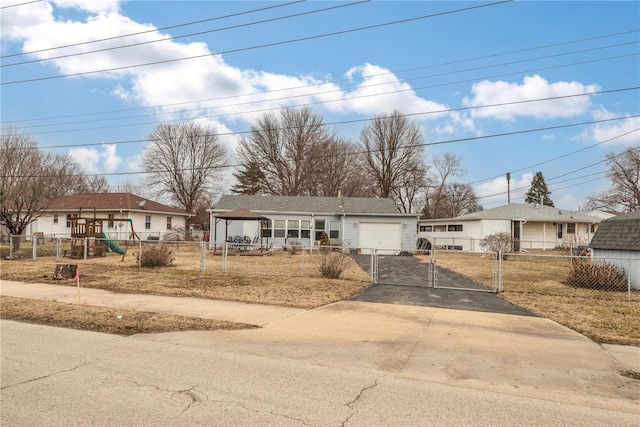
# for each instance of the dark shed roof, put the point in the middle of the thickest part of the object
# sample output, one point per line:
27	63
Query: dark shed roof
618	233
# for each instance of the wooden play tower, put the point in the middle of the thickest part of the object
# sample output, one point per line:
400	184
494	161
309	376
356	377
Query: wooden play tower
89	232
86	231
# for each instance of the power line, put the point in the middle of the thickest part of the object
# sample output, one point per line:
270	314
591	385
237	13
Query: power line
450	141
320	93
393	72
295	15
153	30
404	115
20	4
335	33
559	157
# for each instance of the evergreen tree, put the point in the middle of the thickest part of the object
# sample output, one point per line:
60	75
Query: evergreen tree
538	192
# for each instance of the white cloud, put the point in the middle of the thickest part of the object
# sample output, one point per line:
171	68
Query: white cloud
532	87
209	87
381	91
94	6
619	132
94	160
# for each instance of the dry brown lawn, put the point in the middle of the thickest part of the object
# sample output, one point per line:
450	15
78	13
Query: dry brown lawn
102	319
277	279
534	283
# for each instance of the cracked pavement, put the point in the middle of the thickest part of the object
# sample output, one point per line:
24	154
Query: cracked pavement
346	364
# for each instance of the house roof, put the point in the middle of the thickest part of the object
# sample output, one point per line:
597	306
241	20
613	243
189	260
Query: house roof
110	202
618	233
307	204
528	212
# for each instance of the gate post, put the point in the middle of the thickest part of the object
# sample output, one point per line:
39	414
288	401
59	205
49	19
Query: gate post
374	267
499	287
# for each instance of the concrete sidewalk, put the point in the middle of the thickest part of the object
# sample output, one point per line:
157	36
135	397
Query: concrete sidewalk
518	355
254	314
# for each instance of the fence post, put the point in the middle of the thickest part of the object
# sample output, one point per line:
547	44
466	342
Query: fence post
628	280
10	246
34	248
202	256
372	267
86	249
140	252
499	271
225	254
58	249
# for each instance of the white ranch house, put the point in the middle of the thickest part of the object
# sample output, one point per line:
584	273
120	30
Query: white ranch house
358	222
534	226
149	219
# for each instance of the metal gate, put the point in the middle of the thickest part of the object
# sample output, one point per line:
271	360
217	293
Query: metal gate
436	269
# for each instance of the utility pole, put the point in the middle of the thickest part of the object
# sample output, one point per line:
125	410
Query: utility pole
508	188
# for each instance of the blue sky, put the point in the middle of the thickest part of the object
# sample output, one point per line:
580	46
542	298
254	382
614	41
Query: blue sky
444	64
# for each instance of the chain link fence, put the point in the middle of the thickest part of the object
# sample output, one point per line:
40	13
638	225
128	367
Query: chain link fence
546	273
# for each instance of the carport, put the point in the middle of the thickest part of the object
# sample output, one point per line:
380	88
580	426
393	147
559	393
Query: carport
236	215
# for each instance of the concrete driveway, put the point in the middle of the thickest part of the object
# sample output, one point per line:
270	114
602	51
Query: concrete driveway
348	363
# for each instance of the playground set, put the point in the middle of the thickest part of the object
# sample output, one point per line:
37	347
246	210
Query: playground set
89	231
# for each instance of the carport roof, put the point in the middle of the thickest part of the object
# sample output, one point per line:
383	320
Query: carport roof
306	204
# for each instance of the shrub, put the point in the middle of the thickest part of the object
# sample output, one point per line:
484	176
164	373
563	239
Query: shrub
155	256
325	242
497	242
332	264
294	246
597	275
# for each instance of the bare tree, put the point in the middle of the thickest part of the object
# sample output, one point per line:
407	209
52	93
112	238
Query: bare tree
282	153
96	184
128	187
460	199
445	167
30	180
184	162
624	174
393	156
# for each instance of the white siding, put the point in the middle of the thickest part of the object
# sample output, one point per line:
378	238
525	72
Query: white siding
629	261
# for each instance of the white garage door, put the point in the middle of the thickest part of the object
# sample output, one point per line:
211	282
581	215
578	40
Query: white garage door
380	235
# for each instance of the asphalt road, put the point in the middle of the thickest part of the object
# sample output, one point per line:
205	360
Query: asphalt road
343	365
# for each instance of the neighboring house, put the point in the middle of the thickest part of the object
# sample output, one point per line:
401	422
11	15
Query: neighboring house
149	219
532	226
617	241
365	223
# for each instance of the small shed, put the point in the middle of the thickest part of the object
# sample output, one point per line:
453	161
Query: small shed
617	241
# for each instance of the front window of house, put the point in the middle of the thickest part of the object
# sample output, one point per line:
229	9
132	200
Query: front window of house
334	229
305	229
559	231
147	222
425	228
168	223
439	228
293	228
571	228
455	227
110	223
266	228
279	228
55	218
319	227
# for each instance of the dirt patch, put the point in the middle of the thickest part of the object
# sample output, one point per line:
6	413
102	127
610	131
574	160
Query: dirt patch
103	319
